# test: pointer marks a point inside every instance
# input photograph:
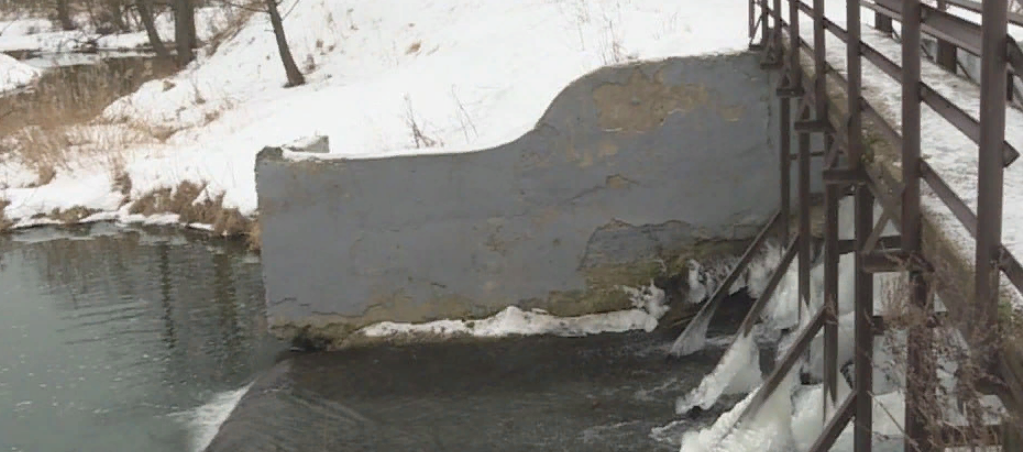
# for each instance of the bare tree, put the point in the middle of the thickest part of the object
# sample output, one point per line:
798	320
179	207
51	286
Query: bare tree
145	8
64	15
184	30
295	77
116	10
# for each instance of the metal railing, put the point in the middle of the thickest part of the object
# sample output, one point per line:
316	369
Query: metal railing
1000	55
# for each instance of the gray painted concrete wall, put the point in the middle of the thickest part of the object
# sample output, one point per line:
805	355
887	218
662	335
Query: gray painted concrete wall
631	170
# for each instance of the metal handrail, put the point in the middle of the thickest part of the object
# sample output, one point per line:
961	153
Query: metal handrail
992	258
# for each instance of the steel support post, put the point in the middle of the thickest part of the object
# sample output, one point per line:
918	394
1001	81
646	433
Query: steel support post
883	23
993	76
804	162
785	138
947	56
785	149
920	372
765	24
805	240
752	21
864	328
795	70
776	20
831	218
864	213
831	257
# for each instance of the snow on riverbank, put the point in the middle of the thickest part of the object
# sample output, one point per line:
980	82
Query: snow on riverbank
15	74
473	74
39	35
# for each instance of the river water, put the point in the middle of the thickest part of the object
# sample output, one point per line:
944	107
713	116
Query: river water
113	340
116	339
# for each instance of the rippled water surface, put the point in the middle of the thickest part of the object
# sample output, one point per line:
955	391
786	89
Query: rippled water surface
139	340
111	339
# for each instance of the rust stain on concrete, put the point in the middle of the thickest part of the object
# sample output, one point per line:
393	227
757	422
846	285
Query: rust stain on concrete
643	102
586	157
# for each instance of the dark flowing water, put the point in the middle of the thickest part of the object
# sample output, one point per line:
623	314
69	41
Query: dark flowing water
116	339
110	342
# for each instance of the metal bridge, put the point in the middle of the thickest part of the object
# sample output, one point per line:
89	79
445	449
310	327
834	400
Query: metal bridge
808	79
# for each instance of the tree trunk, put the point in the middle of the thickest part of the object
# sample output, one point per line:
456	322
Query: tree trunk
295	77
184	30
146	14
64	15
116	11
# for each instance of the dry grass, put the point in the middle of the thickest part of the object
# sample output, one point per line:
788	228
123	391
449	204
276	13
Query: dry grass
254	235
46	124
228	222
965	356
4	222
72	215
239	13
122	182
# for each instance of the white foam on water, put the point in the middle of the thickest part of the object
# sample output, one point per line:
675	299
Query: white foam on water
648	308
671	433
205	421
737	372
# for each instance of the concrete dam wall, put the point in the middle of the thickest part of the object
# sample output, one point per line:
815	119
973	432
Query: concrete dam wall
632	170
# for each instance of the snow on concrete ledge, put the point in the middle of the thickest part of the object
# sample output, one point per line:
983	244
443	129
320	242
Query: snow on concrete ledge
648	308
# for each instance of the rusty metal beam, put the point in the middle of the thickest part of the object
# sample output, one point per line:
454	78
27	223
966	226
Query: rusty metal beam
977	7
940	24
1009	264
831	197
835	426
919	389
941	105
812	154
963	121
990	172
708	309
784	366
914	169
844	176
772	284
863	298
885	243
812	125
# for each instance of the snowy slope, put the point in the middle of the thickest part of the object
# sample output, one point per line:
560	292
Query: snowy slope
474	73
14	74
